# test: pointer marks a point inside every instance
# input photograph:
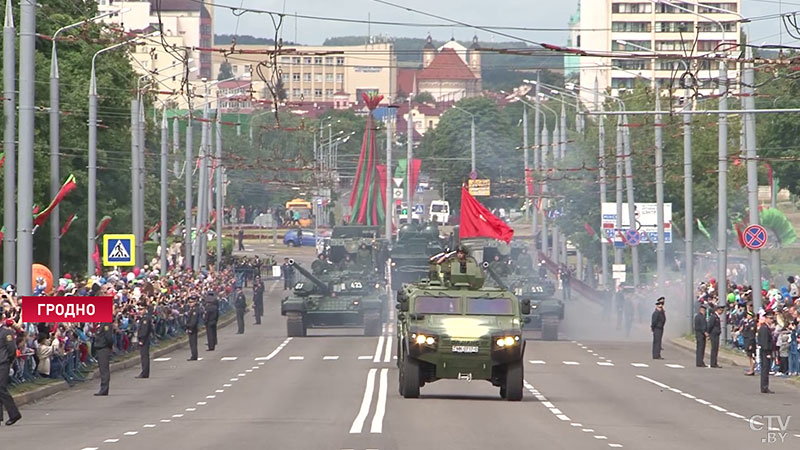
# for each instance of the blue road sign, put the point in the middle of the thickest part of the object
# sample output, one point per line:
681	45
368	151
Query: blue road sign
119	250
419	208
633	237
755	237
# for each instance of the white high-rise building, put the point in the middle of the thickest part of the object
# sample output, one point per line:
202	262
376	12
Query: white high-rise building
664	27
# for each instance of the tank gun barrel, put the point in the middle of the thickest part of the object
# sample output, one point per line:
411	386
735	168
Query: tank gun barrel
320	284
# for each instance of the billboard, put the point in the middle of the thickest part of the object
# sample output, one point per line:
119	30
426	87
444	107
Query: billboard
479	188
646	222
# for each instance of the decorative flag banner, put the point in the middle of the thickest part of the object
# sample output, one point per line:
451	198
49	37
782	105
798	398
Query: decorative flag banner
739	233
477	221
529	181
66	188
702	229
365	199
590	230
151	230
35	208
96	259
211	222
2	159
174	227
2	233
103	224
68	309
67	224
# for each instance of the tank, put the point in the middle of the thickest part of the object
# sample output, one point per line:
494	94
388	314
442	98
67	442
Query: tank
410	253
451	326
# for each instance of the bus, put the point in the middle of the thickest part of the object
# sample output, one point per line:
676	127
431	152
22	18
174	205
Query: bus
303	210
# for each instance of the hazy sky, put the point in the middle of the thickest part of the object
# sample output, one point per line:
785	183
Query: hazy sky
516	13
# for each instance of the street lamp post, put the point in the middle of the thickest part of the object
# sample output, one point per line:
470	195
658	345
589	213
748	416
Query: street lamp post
9	144
27	43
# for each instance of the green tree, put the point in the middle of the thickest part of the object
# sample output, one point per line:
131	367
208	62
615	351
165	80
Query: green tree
424	97
225	71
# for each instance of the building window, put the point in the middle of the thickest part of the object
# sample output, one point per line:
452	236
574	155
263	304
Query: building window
711	27
296	60
662	64
306	77
318	60
295	77
430	125
235	69
295	92
678	8
626	83
632	27
631	8
329	77
328	93
673	27
706	8
248	68
318	77
285	59
317	92
339	77
672	46
307	92
340	60
285	77
307	60
630	46
329	60
631	64
707	46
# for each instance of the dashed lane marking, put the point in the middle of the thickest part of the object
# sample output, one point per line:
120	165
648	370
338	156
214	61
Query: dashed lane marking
296	358
227	385
537	361
576	424
220	391
130	433
605	363
330	358
615	445
111	441
211	396
229	358
242	375
365	357
166	420
177	416
161	359
601	437
674	366
571	363
202	403
249	371
149	425
89	448
276	351
588	430
639	365
190	409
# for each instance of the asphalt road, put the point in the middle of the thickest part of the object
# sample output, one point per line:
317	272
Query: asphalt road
338	390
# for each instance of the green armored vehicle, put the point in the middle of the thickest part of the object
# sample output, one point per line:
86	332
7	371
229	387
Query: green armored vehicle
511	267
345	289
410	253
450	326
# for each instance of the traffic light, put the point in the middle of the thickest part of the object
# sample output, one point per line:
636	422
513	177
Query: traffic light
404	211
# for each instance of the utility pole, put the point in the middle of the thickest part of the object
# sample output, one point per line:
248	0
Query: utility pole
176	146
618	164
555	153
563	143
135	174
688	207
201	187
626	140
545	142
748	92
409	158
220	204
388	193
722	195
660	246
526	167
27	93
536	149
188	243
9	147
141	183
472	142
602	168
164	183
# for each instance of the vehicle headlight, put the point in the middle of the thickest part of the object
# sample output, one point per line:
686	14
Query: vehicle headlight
507	341
377	285
423	339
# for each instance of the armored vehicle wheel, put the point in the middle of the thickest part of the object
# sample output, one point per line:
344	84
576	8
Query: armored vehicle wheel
550	327
512	388
372	323
295	327
409	378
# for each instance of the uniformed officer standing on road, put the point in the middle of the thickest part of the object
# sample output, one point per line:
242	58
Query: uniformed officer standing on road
192	321
714	330
700	335
8	352
211	318
258	299
103	341
765	344
657	322
241	304
143	332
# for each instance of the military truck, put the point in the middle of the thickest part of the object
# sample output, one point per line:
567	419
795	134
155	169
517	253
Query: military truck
410	253
346	289
510	267
451	326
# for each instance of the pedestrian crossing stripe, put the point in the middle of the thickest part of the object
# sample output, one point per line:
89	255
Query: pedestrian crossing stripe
119	250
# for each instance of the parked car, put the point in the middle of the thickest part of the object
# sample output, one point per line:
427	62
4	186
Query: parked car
306	238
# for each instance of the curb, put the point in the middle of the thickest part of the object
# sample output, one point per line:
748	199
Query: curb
35	395
724	355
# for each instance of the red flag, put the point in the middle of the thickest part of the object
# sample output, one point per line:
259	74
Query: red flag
529	181
69	221
2	233
416	165
590	230
2	159
103	224
96	259
477	221
35	209
69	185
740	234
174	227
150	230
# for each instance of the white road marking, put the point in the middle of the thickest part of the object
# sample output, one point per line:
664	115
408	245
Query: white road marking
601	437
219	391
177	416
211	396
689	396
228	358
111	441
576	424
674	366
200	359
562	417
604	363
89	448
615	445
202	403
242	375
571	363
227	385
738	416
718	408
130	433
365	357
639	365
330	358
149	425
249	371
387	354
537	361
650	380
166	420
161	359
378	349
275	352
261	363
587	430
548	405
701	401
380	406
677	391
190	409
358	423
296	358
234	379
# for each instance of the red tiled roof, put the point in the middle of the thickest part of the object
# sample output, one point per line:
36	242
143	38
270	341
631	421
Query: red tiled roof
405	80
446	65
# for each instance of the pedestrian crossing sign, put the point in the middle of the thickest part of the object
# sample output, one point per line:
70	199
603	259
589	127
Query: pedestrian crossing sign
119	250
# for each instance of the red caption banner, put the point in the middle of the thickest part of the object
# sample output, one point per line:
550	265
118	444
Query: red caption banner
67	309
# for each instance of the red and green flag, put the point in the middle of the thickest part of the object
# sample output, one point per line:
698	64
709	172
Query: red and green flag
2	159
365	199
67	224
103	224
590	230
174	227
702	229
66	188
151	230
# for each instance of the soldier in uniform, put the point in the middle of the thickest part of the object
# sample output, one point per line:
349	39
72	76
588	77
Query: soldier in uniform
749	334
700	335
258	299
103	341
143	332
8	351
192	320
657	322
241	304
211	317
765	344
714	330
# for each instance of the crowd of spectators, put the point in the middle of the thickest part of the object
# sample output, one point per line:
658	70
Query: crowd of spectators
64	350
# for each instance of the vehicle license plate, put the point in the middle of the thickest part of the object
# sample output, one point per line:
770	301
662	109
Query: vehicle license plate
465	349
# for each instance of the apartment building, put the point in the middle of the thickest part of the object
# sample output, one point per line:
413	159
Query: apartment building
681	28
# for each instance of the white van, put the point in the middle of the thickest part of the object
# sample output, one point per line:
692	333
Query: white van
439	212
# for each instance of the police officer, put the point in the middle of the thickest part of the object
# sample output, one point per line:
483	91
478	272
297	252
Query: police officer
211	318
143	332
700	335
657	322
241	304
749	334
8	351
258	299
714	330
192	320
103	341
764	340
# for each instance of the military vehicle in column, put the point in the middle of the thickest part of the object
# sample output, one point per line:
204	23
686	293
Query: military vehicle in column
511	267
410	252
346	288
451	326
